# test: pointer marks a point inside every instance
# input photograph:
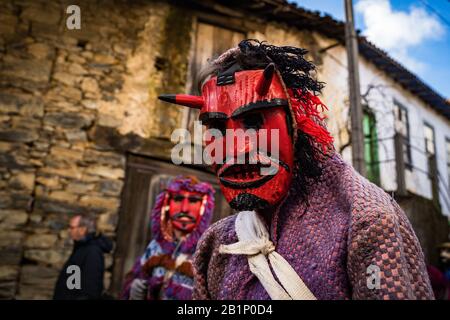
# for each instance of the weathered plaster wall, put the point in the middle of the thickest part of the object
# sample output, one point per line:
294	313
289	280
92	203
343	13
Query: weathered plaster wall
379	92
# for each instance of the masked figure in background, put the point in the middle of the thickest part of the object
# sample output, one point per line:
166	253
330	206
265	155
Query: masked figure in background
180	215
310	227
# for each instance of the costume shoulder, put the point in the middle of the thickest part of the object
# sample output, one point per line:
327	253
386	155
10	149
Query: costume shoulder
385	260
208	261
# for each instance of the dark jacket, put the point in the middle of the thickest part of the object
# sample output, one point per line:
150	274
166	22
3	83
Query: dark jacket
87	254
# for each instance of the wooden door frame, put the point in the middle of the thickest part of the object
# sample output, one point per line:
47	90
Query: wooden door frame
128	226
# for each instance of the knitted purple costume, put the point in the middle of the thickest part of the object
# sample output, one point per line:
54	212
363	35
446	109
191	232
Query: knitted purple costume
348	225
160	255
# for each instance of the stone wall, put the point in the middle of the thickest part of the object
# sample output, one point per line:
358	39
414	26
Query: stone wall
67	99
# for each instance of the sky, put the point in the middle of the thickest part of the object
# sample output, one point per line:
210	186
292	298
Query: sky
416	33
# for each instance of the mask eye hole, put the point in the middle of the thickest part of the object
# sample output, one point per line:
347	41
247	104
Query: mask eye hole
218	125
194	199
177	198
253	121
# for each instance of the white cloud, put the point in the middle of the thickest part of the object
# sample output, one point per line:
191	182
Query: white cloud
398	31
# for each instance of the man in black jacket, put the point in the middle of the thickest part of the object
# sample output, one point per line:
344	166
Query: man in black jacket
82	274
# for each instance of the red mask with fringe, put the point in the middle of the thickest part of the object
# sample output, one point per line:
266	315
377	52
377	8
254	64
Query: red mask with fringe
255	173
185	210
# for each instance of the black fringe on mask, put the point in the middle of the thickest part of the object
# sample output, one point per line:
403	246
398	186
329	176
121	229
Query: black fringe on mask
290	61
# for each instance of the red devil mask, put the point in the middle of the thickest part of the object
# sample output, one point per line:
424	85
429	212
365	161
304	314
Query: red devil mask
234	102
185	210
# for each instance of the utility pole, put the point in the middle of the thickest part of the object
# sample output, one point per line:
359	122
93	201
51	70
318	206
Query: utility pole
356	112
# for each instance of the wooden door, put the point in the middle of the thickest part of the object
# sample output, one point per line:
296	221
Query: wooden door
210	41
145	179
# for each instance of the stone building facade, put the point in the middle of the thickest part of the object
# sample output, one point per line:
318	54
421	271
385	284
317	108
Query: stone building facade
65	95
80	123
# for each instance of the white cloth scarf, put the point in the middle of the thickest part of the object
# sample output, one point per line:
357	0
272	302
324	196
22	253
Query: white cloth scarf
254	242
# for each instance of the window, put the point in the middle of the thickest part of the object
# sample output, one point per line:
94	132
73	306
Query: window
430	150
447	145
371	147
429	139
402	127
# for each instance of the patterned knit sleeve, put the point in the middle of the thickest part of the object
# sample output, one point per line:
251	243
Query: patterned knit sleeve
201	261
137	271
209	264
134	273
385	260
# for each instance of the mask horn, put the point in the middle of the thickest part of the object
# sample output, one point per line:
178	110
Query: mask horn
266	79
187	100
